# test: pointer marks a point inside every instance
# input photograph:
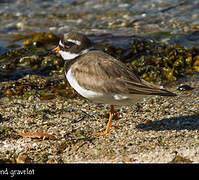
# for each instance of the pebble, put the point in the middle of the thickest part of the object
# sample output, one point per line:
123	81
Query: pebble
148	135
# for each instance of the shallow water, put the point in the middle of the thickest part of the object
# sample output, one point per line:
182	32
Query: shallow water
113	22
169	21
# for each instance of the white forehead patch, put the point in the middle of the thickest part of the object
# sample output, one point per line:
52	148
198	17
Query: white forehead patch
74	41
61	44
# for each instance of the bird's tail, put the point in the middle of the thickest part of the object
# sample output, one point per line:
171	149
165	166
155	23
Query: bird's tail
156	90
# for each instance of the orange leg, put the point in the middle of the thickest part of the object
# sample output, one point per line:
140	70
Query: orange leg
112	115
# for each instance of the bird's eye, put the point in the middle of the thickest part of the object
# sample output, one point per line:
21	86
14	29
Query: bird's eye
68	44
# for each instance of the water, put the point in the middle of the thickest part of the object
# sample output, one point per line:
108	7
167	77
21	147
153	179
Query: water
169	21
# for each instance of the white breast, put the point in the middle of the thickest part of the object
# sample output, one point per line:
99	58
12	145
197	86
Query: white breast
82	91
97	97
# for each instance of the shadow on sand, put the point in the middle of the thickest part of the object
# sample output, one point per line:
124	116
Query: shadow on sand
188	122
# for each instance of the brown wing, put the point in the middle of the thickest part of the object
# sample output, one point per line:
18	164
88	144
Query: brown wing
98	70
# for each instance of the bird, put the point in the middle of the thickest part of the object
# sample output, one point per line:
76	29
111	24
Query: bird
100	77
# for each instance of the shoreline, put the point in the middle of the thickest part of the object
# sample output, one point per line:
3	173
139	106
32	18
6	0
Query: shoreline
157	130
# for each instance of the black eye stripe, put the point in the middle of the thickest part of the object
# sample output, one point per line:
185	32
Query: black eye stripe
69	44
66	45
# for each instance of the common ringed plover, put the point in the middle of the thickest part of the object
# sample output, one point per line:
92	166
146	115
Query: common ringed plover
101	78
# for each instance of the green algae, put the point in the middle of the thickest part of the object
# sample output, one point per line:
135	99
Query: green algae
172	63
34	38
153	61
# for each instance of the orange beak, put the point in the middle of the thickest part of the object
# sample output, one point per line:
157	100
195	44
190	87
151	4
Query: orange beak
56	50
